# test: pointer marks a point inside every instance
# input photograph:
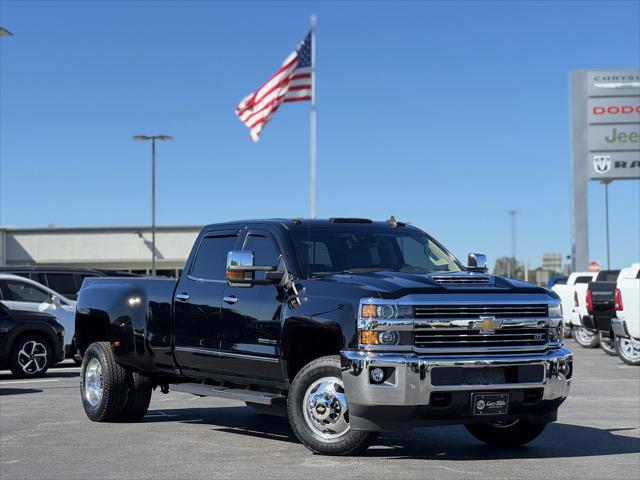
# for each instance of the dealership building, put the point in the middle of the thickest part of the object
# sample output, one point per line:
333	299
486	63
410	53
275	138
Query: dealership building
111	248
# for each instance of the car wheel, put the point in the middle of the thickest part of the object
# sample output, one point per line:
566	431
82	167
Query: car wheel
607	344
103	383
585	338
628	350
506	434
31	356
318	411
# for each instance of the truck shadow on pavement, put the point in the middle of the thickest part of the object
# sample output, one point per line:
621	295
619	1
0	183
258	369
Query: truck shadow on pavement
52	373
559	440
18	391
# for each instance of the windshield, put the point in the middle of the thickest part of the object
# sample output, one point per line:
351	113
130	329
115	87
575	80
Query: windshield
330	250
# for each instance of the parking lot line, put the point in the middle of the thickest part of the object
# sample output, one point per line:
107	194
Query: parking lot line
10	382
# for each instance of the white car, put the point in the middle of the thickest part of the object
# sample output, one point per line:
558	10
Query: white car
19	293
626	324
568	294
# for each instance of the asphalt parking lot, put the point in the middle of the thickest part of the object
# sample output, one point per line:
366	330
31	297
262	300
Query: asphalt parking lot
45	434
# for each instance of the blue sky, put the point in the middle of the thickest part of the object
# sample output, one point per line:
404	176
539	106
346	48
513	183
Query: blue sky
444	114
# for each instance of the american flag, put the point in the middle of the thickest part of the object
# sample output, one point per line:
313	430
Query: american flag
291	83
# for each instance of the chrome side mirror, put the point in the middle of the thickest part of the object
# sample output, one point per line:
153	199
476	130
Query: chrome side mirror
56	300
241	270
477	262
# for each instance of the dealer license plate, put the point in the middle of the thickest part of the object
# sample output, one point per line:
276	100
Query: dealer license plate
490	403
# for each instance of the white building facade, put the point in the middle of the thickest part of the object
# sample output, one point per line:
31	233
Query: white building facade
112	248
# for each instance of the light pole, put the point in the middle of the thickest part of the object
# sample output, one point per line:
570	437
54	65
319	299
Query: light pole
513	242
153	138
606	216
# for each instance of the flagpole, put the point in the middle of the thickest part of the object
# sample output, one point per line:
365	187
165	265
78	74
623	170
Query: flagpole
313	124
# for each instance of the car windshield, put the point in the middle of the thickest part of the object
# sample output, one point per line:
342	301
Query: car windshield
330	250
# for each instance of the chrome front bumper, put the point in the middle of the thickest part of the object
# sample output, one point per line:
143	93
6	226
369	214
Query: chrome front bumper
411	385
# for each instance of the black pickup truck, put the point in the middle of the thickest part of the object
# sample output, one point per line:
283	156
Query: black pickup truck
349	327
601	308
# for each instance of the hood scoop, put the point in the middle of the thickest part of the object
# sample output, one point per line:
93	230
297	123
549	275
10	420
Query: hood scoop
463	280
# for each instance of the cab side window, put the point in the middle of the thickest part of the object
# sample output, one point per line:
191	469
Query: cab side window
211	260
17	291
62	283
264	249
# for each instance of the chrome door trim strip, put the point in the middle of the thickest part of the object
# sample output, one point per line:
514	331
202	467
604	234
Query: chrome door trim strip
217	353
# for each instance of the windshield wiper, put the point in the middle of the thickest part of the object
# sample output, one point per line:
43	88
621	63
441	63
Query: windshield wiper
353	271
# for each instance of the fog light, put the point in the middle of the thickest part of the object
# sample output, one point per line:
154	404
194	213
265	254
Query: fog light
377	375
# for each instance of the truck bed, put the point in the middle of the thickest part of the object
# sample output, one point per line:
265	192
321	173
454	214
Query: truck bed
136	312
603	304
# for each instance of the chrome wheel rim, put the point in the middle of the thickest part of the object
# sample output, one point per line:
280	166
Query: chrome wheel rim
32	357
325	408
93	382
583	335
630	348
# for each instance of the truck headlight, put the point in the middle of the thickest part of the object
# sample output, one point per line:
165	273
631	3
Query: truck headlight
555	309
385	311
385	325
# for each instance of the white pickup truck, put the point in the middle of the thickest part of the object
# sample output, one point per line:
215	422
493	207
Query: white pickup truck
626	324
571	299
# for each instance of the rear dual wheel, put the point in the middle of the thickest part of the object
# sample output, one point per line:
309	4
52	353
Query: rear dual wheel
109	392
607	344
628	350
585	338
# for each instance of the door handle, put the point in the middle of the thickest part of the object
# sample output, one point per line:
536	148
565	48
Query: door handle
230	299
182	297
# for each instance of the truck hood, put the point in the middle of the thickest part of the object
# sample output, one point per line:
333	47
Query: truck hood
397	284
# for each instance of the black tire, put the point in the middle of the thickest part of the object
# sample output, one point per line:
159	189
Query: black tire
607	344
507	436
625	351
585	338
139	391
113	381
348	443
31	356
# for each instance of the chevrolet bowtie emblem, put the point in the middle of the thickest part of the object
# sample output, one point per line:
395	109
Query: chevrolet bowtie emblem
488	324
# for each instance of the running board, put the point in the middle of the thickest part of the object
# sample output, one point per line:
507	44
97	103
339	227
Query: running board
252	396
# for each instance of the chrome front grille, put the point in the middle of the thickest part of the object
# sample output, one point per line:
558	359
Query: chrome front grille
459	328
459	312
471	340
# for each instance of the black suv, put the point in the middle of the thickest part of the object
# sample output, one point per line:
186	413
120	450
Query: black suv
30	342
64	280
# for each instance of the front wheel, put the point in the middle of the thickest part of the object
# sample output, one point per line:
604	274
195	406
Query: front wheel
585	338
506	434
318	411
607	344
628	350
